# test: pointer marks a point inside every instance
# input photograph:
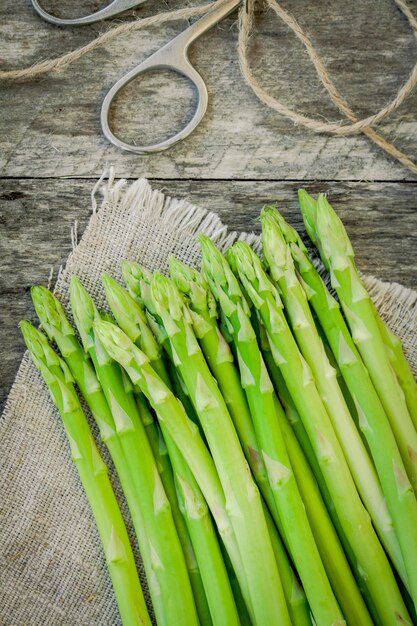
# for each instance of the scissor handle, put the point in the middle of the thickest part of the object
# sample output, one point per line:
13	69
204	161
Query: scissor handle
172	56
114	8
185	69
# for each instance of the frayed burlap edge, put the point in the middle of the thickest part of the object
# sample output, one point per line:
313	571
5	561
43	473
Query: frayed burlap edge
52	569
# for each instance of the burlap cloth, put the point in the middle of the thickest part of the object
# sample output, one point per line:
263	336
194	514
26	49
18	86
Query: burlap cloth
52	568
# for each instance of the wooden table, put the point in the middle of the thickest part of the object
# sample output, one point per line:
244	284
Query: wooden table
241	156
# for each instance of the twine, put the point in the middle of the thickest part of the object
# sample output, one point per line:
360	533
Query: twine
246	20
246	17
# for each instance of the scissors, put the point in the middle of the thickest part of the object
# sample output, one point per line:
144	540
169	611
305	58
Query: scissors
173	56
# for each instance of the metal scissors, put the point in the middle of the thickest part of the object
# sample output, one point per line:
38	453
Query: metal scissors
173	56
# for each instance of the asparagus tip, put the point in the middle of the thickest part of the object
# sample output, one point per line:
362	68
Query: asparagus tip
308	207
84	310
332	237
117	344
50	311
276	251
166	296
43	356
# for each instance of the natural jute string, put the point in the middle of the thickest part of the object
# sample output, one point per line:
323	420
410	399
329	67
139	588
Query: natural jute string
246	19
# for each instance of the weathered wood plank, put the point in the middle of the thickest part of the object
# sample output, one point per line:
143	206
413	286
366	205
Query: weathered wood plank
36	218
49	126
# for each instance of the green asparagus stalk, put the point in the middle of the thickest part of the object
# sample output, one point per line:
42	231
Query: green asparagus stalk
348	593
137	279
162	458
216	583
174	602
261	400
295	596
242	496
56	325
206	552
303	442
351	596
281	268
94	478
373	420
305	464
400	365
328	542
293	418
372	563
203	311
183	432
327	232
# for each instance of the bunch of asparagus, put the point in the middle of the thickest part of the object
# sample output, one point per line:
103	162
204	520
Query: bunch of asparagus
263	431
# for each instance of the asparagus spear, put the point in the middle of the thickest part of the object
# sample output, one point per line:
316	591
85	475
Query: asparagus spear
373	420
372	563
307	471
203	311
137	279
168	577
162	458
327	232
200	526
183	432
295	596
281	268
218	596
260	395
322	516
400	365
293	418
94	478
328	542
242	496
55	323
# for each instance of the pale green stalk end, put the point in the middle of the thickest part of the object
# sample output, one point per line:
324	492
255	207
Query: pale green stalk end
138	280
84	310
124	308
194	287
308	206
38	346
53	369
132	274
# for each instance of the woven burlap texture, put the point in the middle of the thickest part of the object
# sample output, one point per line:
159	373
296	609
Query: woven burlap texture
52	568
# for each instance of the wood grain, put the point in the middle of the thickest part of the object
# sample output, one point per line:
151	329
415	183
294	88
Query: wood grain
37	215
240	157
49	126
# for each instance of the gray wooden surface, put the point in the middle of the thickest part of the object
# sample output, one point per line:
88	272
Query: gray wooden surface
242	155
